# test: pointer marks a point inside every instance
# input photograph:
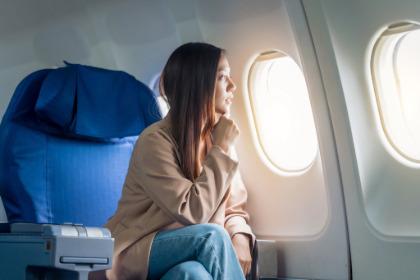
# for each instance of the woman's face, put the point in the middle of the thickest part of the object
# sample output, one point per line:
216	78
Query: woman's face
224	87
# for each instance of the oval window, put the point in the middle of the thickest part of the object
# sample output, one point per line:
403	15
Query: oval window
282	112
395	69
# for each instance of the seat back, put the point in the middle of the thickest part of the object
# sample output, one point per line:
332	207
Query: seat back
66	140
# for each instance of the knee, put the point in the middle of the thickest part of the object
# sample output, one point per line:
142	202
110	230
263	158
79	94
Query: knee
214	231
216	236
188	270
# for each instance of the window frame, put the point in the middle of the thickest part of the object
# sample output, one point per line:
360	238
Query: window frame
256	130
402	28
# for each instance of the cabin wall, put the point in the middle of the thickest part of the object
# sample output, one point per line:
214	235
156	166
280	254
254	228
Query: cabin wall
390	206
283	195
133	36
380	187
302	213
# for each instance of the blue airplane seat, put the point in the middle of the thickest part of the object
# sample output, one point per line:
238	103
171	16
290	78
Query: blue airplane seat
65	143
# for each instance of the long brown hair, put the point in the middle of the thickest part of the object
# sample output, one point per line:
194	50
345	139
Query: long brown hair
187	83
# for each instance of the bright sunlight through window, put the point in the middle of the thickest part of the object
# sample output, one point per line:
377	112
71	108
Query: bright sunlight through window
396	75
282	112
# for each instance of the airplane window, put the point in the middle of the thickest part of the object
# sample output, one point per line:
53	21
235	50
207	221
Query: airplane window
282	112
395	69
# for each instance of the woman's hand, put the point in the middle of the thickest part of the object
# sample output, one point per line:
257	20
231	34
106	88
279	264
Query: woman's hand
243	252
224	133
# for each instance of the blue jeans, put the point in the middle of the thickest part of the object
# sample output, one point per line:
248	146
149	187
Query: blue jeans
194	252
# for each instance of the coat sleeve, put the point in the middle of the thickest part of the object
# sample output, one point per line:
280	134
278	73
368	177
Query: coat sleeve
236	217
156	169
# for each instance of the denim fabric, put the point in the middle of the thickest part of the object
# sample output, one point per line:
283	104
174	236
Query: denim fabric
202	251
190	270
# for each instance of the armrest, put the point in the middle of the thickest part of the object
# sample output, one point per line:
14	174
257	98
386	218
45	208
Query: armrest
254	275
53	250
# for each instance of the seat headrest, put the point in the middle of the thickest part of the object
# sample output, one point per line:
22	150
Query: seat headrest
85	101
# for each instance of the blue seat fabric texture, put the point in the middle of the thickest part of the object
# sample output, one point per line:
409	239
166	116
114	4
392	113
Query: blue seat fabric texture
66	140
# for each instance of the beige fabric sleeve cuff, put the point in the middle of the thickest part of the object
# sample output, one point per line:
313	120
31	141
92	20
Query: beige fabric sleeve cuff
237	224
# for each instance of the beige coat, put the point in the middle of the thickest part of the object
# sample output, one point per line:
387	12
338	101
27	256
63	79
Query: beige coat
156	195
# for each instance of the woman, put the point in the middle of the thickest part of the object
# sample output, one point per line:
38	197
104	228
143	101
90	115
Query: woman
181	214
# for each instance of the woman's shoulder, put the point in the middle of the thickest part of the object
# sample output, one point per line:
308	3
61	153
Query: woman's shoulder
157	133
155	140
